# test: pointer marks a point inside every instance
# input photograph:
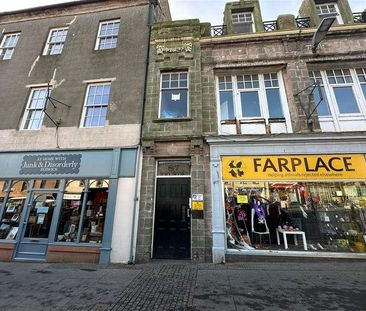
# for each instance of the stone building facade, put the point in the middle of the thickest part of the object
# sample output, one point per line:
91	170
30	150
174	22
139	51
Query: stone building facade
175	157
258	92
72	79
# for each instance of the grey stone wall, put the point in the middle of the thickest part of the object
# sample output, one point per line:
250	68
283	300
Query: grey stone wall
175	138
291	53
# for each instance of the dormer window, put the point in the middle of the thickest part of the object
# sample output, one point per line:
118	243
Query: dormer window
329	10
242	22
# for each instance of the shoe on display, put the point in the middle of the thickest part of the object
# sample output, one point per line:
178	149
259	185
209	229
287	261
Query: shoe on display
245	245
320	246
312	247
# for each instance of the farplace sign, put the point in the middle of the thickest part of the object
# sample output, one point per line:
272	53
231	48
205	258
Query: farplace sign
50	164
296	167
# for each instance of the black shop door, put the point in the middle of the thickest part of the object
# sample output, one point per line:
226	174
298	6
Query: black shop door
172	234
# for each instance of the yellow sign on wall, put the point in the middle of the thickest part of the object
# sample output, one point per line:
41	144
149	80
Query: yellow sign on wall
294	167
197	205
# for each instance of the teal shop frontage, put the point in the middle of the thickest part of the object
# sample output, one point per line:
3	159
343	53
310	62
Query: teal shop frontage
68	206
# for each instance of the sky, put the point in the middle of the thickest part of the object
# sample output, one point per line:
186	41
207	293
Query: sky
206	10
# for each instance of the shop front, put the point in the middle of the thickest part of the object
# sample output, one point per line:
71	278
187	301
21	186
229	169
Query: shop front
292	198
60	206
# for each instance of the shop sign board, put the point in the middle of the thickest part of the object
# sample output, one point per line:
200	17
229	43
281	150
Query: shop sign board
294	167
50	164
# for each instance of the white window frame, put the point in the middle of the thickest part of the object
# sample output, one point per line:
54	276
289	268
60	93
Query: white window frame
28	110
263	103
99	36
4	49
47	49
324	10
173	88
85	106
242	18
336	116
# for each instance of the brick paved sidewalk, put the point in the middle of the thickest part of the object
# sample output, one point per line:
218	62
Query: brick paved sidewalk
184	286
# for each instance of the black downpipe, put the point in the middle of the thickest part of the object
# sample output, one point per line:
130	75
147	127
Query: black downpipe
147	63
149	25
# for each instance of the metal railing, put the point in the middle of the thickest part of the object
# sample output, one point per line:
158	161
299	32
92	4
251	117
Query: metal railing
303	22
359	17
220	30
270	26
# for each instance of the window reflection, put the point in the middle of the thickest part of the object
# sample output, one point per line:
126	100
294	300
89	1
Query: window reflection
10	218
46	184
94	216
71	210
83	211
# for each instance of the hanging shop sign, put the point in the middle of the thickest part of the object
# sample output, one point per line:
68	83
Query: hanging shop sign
51	164
294	167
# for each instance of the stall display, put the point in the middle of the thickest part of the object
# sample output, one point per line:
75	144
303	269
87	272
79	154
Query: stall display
326	216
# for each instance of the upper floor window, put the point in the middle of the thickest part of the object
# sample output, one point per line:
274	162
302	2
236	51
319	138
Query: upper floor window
55	41
329	10
107	35
255	100
242	22
96	105
361	75
8	45
343	107
34	112
174	95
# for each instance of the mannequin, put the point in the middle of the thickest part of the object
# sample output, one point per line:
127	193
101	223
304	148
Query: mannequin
258	220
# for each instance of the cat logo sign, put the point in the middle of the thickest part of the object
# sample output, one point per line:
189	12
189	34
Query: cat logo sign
295	167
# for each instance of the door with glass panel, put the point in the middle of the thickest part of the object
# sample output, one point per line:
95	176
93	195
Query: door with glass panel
36	226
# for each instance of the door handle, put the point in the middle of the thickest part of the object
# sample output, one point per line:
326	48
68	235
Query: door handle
188	213
34	241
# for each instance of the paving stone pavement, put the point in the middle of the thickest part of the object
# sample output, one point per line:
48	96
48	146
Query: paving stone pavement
184	286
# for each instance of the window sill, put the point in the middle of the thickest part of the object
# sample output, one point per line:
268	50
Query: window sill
50	55
172	120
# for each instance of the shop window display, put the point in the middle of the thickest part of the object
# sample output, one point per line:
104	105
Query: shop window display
296	216
71	210
83	211
12	207
40	215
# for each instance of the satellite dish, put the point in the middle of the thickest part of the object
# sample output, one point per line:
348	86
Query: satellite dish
321	32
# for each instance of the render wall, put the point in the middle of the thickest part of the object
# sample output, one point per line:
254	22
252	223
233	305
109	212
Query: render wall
70	71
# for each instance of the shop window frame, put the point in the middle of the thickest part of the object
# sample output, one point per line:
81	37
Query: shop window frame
8	189
49	46
84	201
6	50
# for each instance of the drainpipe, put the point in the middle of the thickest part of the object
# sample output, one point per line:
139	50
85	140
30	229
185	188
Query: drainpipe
137	186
